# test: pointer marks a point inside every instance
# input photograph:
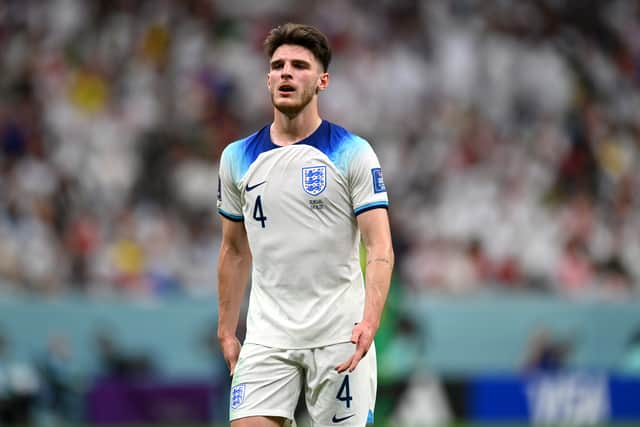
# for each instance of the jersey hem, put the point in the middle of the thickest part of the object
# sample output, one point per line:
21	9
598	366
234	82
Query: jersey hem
296	347
236	218
365	208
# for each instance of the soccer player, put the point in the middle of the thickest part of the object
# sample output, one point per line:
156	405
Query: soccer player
295	198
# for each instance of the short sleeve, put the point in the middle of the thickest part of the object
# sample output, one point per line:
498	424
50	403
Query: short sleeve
229	197
368	190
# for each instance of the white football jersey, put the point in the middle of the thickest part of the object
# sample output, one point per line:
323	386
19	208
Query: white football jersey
299	205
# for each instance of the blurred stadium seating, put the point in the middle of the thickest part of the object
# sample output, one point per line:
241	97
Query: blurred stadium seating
509	133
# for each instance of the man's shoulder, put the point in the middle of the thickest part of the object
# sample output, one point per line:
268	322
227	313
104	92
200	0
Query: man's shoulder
248	148
340	132
346	142
342	140
247	141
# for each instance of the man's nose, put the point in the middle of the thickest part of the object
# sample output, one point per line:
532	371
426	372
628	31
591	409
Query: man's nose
286	70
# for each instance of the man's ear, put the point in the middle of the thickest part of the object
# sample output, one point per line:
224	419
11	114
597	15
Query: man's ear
324	82
268	82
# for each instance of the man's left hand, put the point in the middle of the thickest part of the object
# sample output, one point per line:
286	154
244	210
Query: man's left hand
362	336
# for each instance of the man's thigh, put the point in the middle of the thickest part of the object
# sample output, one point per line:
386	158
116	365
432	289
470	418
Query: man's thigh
345	399
266	383
262	422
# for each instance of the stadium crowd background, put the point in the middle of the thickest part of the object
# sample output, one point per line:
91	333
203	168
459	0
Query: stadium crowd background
508	133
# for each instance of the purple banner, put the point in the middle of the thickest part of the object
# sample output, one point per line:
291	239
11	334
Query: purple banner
113	402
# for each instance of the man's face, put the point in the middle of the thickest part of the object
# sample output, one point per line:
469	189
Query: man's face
294	78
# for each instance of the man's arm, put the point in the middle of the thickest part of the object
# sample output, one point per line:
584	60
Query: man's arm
376	234
234	266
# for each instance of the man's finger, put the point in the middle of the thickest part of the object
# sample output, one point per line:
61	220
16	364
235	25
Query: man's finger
355	335
343	366
230	363
355	359
361	350
231	358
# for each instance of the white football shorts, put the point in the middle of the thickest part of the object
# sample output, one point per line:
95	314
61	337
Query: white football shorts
268	382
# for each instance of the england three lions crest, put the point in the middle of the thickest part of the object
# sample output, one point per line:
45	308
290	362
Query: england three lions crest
314	179
237	395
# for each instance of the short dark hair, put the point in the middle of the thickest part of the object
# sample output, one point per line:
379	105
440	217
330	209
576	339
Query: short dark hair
302	35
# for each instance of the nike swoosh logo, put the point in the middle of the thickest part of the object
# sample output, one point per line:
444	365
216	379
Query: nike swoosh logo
341	419
251	187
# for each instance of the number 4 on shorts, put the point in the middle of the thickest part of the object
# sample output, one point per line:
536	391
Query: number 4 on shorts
343	393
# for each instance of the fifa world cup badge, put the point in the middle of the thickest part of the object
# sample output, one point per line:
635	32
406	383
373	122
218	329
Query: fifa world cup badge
378	181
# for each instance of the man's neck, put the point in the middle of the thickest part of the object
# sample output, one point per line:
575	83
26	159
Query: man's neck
287	130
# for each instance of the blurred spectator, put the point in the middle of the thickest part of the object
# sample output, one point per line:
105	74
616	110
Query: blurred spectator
509	273
614	279
575	269
117	364
546	352
60	397
81	242
631	359
19	386
399	362
484	270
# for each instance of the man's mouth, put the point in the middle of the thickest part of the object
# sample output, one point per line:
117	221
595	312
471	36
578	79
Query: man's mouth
286	88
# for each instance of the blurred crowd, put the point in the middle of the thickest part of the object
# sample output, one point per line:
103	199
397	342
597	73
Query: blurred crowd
509	134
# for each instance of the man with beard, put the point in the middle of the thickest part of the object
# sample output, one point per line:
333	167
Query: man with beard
295	199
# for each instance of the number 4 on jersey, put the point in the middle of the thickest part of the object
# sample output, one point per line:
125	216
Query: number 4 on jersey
343	393
258	213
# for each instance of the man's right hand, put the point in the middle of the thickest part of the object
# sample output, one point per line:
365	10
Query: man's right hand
230	346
